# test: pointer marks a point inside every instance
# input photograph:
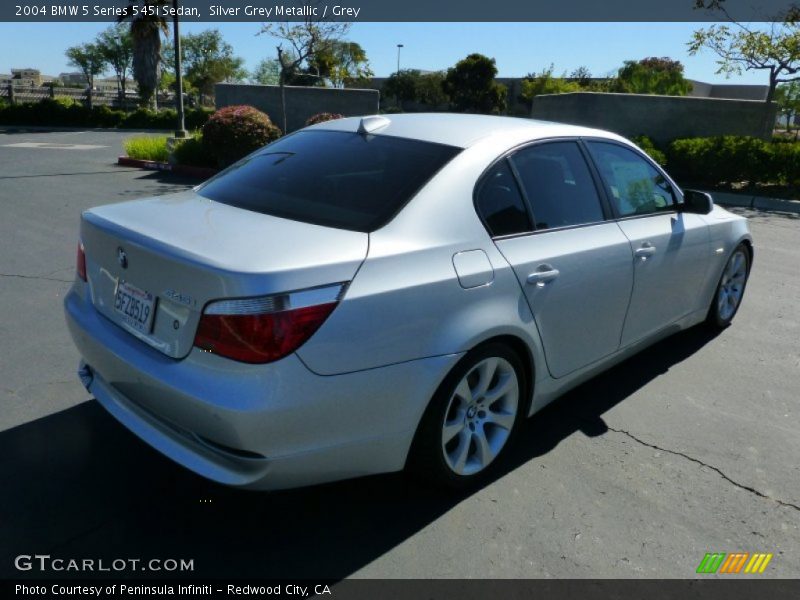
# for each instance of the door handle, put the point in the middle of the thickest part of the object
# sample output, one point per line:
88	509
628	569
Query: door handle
646	250
540	278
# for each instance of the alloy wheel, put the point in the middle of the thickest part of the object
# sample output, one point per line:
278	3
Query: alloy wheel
480	416
731	286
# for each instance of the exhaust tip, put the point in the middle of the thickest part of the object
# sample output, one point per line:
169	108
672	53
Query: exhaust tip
86	375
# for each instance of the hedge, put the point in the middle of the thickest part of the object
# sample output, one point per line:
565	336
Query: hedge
65	112
729	159
646	144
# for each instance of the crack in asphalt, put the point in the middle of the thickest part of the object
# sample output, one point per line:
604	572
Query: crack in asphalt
718	471
41	277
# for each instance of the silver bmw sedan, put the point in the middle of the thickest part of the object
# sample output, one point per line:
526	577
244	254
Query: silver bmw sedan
376	293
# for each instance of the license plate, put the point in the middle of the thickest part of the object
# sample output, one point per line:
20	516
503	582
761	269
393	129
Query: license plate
135	306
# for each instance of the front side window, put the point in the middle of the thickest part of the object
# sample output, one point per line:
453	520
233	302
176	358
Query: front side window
634	186
500	204
558	184
332	178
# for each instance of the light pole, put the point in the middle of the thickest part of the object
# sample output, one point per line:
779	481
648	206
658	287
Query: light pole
181	131
398	57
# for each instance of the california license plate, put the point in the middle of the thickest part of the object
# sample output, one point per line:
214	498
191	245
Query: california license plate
135	306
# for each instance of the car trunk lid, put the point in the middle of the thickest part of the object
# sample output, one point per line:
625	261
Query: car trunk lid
174	254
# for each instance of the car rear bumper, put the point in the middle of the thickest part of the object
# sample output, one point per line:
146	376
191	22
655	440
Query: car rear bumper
269	426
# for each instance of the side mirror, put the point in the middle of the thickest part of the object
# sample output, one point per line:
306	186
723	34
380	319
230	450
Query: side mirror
696	202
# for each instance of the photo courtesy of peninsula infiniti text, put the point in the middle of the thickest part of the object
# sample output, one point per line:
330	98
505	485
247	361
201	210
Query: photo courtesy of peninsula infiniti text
381	293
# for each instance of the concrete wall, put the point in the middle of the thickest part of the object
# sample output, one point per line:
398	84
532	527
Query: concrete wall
301	102
663	118
731	91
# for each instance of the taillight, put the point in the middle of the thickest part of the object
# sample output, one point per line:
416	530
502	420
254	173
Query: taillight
265	329
81	262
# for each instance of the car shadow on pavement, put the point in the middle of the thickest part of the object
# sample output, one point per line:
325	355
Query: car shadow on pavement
76	484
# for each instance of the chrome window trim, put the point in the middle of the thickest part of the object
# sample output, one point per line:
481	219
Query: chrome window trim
608	216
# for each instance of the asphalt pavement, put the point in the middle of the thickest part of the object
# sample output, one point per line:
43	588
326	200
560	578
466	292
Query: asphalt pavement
688	448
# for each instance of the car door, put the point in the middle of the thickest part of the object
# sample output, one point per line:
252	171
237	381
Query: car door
670	248
574	266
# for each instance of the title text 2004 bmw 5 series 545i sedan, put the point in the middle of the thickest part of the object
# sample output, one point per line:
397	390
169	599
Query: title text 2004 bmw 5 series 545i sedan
369	294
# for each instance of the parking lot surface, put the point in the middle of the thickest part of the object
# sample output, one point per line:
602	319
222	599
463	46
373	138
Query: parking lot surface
690	447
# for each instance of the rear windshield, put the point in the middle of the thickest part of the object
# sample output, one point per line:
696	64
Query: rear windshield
332	178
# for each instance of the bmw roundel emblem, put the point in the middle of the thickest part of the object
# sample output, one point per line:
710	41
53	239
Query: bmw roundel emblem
122	257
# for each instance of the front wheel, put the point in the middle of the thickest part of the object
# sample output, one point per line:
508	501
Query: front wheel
730	289
471	419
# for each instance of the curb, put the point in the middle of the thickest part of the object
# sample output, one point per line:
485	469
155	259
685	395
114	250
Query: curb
185	170
756	202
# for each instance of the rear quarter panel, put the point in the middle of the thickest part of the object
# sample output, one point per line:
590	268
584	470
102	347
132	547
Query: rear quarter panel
406	302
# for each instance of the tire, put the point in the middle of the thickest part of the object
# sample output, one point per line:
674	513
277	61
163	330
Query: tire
472	419
730	289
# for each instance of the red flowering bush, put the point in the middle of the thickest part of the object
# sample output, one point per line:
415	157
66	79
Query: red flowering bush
234	132
322	117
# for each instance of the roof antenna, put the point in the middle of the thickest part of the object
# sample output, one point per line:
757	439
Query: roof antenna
373	123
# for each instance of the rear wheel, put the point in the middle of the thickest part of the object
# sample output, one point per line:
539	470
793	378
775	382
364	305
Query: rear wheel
471	419
730	289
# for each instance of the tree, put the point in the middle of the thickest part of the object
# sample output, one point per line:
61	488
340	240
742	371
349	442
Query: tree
582	76
208	59
402	86
787	95
430	89
89	59
301	41
774	49
662	76
116	47
536	84
411	85
342	62
146	32
471	87
267	72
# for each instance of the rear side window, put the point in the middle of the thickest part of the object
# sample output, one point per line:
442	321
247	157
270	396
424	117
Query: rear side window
558	184
633	184
500	204
337	179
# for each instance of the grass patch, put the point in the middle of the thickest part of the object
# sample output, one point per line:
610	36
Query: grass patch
147	148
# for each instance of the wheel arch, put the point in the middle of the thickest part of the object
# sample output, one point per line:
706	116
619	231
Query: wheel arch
515	344
523	351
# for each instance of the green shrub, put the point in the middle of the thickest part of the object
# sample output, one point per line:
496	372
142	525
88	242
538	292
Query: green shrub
646	144
195	118
235	131
721	159
103	116
729	159
147	148
66	112
192	152
786	163
322	117
144	118
65	101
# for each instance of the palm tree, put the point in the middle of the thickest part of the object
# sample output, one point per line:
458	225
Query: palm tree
146	32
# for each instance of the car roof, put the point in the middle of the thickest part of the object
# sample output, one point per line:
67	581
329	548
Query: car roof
462	130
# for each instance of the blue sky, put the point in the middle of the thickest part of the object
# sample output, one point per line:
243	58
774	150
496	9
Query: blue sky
519	48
